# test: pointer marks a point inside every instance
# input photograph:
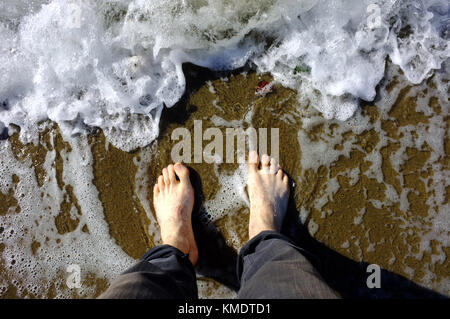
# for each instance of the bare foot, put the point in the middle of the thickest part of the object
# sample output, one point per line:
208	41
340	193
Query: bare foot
268	189
173	200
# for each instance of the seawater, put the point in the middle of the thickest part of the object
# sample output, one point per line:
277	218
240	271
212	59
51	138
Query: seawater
115	64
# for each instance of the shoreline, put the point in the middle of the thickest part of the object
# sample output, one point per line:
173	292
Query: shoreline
352	181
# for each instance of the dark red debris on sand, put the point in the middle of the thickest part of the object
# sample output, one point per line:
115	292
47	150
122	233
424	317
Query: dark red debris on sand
263	88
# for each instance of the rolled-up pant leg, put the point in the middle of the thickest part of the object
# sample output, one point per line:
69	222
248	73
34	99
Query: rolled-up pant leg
271	266
163	273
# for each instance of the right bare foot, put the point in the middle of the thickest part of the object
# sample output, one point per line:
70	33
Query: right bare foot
268	189
173	200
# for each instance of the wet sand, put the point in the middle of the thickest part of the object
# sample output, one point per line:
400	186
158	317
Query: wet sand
338	201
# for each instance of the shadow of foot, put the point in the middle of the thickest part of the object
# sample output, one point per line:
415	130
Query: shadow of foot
347	276
216	260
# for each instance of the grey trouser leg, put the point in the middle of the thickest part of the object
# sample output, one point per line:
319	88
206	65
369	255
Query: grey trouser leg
271	266
163	273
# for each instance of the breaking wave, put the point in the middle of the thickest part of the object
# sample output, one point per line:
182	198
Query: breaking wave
115	64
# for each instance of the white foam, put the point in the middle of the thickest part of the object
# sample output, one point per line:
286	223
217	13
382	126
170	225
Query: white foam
320	152
95	253
100	63
231	194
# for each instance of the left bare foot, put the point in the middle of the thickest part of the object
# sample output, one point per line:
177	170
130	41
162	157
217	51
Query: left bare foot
174	200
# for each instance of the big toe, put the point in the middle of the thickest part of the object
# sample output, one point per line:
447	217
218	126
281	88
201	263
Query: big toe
182	172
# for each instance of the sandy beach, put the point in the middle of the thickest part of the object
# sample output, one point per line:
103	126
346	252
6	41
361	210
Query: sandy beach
374	188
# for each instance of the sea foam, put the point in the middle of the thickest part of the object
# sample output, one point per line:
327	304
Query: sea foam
115	64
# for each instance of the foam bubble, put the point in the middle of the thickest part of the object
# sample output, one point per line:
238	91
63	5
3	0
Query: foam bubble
231	194
96	252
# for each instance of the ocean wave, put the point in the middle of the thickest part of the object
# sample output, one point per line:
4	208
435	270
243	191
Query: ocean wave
115	64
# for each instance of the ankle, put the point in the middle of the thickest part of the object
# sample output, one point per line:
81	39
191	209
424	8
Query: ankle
181	245
258	227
